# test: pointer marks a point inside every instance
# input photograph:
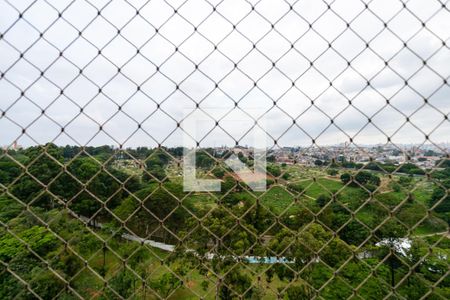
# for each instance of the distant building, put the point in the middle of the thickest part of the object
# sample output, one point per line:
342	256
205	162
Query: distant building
240	149
14	146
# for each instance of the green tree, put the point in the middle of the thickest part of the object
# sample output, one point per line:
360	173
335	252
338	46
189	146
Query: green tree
364	178
391	233
442	197
273	170
332	172
346	178
45	284
165	284
122	284
236	284
322	200
298	291
38	238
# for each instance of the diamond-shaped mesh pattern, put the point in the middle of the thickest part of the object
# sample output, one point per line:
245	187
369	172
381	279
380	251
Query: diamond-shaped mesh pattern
357	98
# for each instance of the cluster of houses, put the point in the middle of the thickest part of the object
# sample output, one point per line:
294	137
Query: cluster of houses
425	156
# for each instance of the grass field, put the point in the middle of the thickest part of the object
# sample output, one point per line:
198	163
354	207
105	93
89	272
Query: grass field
319	187
277	199
298	172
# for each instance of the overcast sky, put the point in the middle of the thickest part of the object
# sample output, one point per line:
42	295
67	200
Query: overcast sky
220	53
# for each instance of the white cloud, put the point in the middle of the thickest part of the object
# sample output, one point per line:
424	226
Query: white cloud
178	49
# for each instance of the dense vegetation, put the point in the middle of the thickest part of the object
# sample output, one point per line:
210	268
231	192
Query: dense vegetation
331	230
